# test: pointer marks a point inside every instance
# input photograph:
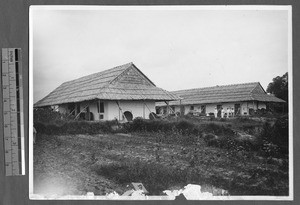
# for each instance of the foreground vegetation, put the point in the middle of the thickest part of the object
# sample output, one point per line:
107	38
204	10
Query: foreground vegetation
243	156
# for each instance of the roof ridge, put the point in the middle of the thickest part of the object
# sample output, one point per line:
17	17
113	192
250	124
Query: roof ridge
216	86
100	72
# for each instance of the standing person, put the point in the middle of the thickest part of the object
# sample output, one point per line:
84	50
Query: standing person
216	112
222	112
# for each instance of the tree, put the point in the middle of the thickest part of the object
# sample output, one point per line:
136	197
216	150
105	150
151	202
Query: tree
279	87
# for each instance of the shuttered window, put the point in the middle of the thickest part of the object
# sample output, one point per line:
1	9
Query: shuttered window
100	107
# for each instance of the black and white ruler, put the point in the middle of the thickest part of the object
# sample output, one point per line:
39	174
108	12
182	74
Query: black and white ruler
13	114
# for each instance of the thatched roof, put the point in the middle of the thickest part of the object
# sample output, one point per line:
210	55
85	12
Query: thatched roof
221	94
125	82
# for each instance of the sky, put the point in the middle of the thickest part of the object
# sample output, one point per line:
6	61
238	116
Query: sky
175	47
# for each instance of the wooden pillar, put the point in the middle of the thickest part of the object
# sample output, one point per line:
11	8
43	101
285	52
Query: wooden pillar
88	113
180	108
144	110
120	109
168	107
151	113
81	112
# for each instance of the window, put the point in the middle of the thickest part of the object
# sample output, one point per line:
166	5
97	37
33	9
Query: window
100	107
192	107
237	109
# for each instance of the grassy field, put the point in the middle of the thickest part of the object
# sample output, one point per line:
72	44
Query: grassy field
100	163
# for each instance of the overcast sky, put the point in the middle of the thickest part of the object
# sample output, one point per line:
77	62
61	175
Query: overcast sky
176	48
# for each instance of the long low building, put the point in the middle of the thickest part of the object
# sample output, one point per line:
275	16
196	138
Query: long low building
121	93
227	100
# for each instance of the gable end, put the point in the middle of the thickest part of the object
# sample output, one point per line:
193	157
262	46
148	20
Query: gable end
258	89
132	75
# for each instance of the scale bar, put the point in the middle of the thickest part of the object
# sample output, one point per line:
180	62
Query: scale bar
13	123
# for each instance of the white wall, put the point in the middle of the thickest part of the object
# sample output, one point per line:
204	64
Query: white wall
210	108
137	108
245	108
93	108
111	109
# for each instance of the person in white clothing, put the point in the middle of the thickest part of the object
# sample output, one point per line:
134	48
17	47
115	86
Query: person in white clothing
216	112
222	112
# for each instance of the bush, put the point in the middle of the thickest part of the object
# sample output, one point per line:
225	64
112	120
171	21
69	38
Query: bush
75	127
142	125
47	115
268	149
231	143
186	127
276	136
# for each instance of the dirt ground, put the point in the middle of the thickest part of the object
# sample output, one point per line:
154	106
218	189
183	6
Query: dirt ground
64	165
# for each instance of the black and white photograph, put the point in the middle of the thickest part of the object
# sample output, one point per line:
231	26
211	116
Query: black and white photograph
160	102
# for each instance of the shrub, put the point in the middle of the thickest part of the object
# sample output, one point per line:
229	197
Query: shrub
231	143
277	135
268	149
186	127
75	127
47	115
142	125
281	128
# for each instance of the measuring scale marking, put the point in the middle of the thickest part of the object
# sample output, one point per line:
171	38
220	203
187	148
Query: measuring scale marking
13	121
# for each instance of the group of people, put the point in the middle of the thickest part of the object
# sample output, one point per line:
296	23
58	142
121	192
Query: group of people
225	113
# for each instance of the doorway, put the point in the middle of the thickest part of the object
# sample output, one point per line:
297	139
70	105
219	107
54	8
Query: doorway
128	115
219	109
237	109
182	110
